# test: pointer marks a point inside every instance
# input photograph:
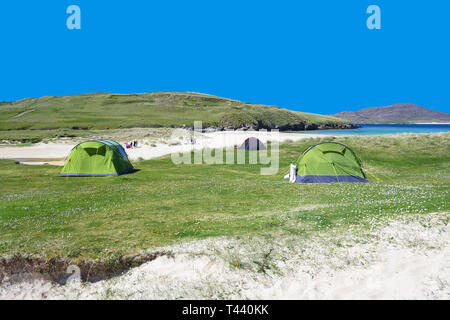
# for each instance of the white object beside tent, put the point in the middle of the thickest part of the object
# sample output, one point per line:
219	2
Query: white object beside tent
292	173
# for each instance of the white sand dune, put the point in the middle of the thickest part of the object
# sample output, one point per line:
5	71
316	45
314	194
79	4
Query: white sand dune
408	258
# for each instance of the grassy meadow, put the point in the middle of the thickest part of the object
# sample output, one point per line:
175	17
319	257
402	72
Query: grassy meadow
161	204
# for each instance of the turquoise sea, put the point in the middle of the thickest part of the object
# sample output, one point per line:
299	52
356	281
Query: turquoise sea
378	129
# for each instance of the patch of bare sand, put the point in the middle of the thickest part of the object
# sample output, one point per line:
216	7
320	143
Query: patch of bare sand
152	144
405	258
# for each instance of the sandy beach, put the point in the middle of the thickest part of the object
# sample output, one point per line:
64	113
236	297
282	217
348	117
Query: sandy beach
54	152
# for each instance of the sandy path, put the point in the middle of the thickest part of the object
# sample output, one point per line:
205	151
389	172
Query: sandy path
54	152
47	152
407	258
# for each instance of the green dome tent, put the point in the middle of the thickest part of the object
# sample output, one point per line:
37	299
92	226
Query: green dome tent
97	158
328	162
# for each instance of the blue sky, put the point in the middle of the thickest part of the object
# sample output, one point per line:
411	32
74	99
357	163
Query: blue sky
314	56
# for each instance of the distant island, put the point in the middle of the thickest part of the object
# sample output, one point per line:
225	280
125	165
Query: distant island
396	113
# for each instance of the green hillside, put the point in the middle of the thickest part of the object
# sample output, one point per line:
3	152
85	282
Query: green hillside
111	111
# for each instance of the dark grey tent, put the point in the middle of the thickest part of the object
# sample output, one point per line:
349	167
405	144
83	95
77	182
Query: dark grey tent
252	144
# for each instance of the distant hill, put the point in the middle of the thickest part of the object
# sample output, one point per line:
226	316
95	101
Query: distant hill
397	113
177	109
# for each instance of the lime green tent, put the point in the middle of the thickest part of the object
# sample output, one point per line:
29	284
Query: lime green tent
329	162
97	158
